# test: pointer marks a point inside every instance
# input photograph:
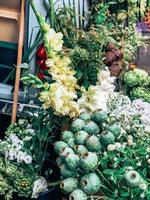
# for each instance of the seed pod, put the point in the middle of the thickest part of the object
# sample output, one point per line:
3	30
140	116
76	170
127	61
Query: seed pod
99	117
93	144
66	135
115	129
65	152
71	142
59	146
89	161
91	128
72	161
59	161
132	178
90	183
66	173
111	47
81	137
78	195
107	138
80	149
69	185
85	117
77	125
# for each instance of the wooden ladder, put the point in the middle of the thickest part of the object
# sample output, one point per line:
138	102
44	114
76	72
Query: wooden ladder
18	15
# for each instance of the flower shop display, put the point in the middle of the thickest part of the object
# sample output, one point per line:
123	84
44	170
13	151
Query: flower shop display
104	147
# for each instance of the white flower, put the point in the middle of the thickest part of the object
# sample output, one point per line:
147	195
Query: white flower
111	147
129	168
104	77
10	154
39	186
20	156
93	99
27	138
130	142
118	145
130	137
55	40
147	156
148	150
143	186
115	158
148	161
28	159
139	164
49	62
31	131
142	195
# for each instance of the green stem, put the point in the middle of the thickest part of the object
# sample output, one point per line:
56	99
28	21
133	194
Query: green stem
54	184
36	12
52	13
42	22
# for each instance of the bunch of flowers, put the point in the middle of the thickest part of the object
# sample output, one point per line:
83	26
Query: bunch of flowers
18	173
96	97
107	153
60	93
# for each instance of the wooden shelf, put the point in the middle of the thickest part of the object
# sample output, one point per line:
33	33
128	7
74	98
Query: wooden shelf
9	13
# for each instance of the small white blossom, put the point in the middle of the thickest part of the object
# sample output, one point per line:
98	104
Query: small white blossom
148	150
130	137
148	161
111	147
139	164
28	159
143	186
142	195
118	145
130	142
147	156
115	159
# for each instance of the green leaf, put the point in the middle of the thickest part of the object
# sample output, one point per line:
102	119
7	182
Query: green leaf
109	171
124	193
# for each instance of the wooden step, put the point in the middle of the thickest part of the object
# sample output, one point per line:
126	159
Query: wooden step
9	13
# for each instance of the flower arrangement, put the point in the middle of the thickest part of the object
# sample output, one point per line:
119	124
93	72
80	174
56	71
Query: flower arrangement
18	170
60	93
107	152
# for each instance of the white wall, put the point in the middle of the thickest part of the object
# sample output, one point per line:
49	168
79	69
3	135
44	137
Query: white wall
33	22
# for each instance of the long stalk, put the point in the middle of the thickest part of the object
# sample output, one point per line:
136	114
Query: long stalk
52	13
42	23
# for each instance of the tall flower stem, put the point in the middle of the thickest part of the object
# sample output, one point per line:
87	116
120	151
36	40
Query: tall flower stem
52	13
43	27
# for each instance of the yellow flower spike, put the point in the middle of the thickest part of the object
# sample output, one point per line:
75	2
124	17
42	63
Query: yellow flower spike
54	40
